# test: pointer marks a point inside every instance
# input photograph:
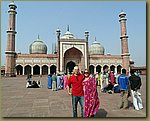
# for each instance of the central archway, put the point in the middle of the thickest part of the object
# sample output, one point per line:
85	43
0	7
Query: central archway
69	67
73	57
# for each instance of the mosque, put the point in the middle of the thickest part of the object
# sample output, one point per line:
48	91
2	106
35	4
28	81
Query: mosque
70	51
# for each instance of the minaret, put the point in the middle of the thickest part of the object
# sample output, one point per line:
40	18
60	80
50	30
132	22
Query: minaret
10	51
86	35
58	32
87	49
124	41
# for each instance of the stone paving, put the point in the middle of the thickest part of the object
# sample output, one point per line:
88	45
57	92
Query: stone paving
19	101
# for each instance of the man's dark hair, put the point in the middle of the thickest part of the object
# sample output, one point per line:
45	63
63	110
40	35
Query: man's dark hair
124	71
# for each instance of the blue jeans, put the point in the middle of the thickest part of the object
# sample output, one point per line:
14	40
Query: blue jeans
75	100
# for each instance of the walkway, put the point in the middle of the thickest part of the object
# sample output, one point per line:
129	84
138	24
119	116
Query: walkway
18	101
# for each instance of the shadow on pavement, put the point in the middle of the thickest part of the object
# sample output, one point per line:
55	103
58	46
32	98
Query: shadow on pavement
130	104
101	113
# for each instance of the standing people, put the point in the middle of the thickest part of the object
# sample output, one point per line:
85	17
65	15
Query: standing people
117	75
124	86
98	79
107	77
54	82
112	78
39	81
62	81
77	91
91	100
49	84
58	81
65	81
102	81
135	82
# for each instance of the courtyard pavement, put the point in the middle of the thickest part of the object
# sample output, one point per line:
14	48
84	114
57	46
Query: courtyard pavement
19	101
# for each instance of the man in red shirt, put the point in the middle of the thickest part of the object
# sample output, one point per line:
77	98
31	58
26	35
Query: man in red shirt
77	90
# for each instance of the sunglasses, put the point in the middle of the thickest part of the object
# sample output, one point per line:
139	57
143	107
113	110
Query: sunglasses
86	72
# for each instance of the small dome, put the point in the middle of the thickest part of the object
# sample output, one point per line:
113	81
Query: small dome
38	47
96	48
68	35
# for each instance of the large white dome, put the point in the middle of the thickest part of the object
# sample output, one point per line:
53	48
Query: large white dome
38	47
96	48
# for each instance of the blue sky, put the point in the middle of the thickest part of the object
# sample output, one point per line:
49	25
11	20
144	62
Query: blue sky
99	18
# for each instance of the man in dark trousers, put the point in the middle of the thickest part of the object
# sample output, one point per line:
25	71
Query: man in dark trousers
135	83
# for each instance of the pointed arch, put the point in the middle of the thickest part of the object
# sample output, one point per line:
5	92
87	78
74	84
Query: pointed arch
53	69
112	68
119	67
27	70
98	68
105	68
36	70
91	69
19	70
44	70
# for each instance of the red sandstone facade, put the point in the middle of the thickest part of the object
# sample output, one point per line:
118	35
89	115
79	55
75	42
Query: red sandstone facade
70	52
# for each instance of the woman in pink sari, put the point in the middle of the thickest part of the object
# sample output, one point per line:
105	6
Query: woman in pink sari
91	100
65	81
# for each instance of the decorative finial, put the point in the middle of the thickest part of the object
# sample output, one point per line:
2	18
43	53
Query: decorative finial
12	1
58	30
38	36
68	28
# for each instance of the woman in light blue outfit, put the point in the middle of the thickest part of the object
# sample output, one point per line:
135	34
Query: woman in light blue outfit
58	81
